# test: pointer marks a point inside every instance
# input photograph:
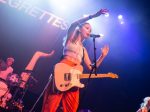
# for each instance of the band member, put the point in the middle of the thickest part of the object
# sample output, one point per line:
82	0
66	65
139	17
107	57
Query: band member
5	94
8	68
145	106
35	58
28	70
72	55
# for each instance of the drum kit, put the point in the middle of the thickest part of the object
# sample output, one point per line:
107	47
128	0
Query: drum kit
12	91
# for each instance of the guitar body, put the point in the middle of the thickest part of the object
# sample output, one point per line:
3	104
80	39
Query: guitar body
67	77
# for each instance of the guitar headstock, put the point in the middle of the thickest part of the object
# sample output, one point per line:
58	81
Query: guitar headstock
112	75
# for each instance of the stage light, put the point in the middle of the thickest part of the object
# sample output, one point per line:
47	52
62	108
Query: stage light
61	5
120	17
121	22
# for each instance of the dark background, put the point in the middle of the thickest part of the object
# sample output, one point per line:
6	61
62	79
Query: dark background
22	35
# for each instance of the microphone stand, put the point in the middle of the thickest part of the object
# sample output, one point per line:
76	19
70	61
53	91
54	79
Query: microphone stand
32	109
93	65
94	69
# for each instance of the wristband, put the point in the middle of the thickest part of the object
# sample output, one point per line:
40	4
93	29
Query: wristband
90	17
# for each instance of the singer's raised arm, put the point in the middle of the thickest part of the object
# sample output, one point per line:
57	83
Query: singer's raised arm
81	21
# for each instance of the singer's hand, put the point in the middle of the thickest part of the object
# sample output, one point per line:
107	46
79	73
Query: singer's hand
105	50
51	53
102	11
42	54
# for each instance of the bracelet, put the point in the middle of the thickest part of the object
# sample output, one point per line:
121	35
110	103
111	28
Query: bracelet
28	71
90	17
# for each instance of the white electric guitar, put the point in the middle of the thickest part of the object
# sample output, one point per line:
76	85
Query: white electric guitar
67	77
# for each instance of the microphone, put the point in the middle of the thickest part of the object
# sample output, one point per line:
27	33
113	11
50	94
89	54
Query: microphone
96	36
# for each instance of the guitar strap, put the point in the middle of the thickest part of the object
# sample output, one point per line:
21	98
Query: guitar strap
83	56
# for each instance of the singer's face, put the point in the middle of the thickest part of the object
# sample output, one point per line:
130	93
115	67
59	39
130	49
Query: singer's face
85	30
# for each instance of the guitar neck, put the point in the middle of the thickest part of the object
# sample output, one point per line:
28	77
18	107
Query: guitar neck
84	76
